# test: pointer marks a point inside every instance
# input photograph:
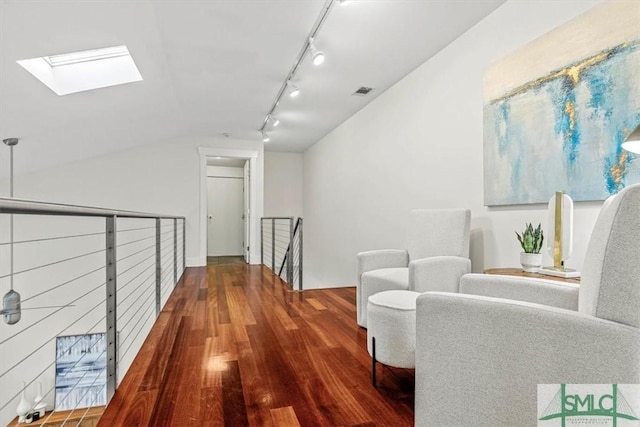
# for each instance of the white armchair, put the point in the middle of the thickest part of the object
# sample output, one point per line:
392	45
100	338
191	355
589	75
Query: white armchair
480	358
437	255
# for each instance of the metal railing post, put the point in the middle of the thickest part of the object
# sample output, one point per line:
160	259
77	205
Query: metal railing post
112	275
261	240
300	256
184	244
290	254
158	267
273	246
175	252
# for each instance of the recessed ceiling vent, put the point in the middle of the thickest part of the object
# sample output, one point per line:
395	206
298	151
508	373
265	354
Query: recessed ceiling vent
363	91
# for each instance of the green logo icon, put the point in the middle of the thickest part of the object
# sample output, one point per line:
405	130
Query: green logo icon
588	404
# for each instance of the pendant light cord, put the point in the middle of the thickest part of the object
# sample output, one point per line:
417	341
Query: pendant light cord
11	219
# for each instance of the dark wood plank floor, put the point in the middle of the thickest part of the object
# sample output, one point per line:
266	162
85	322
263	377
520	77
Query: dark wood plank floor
234	346
231	259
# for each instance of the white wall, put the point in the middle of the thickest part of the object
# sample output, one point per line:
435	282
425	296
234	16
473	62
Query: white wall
283	184
163	177
419	145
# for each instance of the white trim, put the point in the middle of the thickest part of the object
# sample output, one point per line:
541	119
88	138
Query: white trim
226	152
255	212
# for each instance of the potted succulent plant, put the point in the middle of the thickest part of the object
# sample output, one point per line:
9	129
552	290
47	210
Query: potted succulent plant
531	242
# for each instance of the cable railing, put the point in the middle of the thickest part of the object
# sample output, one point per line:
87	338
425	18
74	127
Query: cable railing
82	288
281	248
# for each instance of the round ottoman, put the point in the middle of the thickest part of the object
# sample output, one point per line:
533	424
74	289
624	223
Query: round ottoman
391	329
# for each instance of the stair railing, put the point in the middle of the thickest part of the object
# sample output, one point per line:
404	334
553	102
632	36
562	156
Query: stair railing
89	281
281	244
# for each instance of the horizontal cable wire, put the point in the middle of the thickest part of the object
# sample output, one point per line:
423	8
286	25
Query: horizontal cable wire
87	388
81	357
167	277
51	314
119	245
165	255
54	337
135	229
121	301
46	239
52	363
121	315
53	263
51	389
78	423
168	239
134	315
135	265
63	284
167	248
165	285
136	253
134	338
139	284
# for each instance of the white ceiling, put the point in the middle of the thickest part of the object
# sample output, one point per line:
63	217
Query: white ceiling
210	67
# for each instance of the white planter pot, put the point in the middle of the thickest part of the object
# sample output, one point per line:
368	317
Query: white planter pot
531	263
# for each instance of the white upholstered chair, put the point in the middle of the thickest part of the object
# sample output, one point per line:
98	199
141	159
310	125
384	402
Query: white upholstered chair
437	255
479	358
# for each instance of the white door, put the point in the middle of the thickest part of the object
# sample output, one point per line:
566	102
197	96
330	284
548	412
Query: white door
247	213
225	230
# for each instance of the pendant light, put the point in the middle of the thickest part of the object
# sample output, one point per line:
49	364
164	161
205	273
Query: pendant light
11	309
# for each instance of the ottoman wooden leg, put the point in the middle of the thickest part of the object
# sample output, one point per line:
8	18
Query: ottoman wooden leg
373	361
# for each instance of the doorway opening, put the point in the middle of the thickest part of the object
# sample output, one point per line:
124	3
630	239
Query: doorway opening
253	199
227	209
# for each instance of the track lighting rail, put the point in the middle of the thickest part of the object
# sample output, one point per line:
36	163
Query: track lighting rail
306	47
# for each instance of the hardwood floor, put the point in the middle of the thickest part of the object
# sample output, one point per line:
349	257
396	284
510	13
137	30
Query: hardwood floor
231	259
235	347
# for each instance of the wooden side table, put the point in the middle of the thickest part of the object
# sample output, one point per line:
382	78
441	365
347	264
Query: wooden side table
519	272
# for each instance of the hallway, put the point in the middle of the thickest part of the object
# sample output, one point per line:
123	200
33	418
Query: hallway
235	347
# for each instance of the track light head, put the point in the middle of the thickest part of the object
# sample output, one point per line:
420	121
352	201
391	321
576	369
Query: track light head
344	2
274	121
265	137
294	91
317	56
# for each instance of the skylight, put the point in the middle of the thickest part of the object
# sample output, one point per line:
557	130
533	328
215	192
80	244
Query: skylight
87	70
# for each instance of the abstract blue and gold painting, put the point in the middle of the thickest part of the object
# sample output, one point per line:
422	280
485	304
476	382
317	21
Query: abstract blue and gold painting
563	130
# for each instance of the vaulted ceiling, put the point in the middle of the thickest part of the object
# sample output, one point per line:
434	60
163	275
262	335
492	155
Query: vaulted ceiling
211	67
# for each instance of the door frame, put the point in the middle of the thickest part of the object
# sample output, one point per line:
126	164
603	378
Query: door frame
246	190
254	210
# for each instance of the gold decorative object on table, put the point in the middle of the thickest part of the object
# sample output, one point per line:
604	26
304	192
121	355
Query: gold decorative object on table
560	239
